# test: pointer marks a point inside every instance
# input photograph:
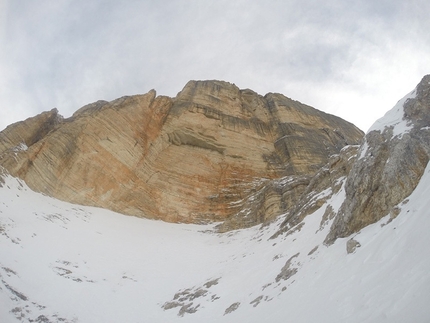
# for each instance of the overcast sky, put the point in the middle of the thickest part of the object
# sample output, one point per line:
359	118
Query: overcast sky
354	59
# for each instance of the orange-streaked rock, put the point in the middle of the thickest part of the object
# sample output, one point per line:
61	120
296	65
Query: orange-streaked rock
193	158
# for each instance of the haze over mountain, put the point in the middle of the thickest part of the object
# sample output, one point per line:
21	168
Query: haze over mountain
343	232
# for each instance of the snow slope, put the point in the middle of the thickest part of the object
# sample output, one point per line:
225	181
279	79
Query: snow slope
65	263
394	118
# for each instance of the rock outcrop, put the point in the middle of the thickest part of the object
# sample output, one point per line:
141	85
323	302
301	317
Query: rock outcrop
316	191
26	133
389	165
200	156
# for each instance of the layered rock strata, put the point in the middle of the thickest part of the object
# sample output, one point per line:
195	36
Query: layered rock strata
316	191
197	157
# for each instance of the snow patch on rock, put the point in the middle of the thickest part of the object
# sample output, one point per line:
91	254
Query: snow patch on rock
394	118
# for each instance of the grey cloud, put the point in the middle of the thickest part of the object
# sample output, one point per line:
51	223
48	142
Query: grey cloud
69	53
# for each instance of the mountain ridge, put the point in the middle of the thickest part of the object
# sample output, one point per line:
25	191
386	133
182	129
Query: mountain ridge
194	158
324	256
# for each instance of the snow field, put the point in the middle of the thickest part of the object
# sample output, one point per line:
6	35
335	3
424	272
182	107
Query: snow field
82	264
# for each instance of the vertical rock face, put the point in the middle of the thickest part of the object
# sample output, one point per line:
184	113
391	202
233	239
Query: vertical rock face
389	165
197	157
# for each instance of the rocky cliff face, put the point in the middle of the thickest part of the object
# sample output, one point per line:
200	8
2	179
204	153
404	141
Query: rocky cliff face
208	154
389	165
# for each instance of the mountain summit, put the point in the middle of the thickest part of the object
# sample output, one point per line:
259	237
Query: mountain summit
346	240
194	158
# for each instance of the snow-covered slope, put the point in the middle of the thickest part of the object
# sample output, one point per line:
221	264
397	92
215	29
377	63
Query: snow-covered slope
65	263
394	118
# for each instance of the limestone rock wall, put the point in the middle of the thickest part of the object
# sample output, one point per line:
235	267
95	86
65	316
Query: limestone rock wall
389	165
28	132
197	157
314	191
